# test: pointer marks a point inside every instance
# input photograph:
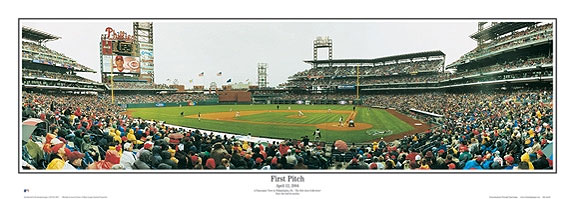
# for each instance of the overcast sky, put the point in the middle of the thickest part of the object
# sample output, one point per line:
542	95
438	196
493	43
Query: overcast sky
184	48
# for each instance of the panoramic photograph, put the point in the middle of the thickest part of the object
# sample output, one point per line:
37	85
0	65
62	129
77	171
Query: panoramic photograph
260	96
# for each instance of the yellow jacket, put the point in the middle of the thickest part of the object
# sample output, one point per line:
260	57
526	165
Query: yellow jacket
245	146
525	158
56	164
173	153
131	136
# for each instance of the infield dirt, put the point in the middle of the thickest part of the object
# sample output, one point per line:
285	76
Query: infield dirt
230	116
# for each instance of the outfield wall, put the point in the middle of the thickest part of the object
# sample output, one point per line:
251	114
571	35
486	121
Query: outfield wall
219	102
340	101
235	96
171	104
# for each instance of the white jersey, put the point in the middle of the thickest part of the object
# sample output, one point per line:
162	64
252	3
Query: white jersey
317	133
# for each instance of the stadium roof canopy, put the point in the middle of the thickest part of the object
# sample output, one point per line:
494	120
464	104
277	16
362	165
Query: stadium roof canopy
499	29
381	59
37	35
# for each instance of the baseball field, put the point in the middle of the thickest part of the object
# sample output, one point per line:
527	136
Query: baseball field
287	121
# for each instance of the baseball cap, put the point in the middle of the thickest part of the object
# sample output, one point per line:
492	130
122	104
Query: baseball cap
75	155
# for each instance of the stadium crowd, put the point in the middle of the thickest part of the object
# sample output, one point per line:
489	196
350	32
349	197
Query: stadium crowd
34	51
529	74
136	86
166	98
401	79
520	63
504	130
325	77
510	41
478	131
30	46
424	77
293	96
378	70
54	75
86	132
32	83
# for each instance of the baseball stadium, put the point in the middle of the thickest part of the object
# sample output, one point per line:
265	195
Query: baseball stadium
491	109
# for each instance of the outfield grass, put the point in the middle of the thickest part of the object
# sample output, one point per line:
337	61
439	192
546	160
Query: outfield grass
380	119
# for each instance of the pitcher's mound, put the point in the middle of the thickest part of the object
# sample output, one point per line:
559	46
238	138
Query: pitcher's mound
334	126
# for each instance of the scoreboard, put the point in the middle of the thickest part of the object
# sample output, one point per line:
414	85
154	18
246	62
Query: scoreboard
128	56
120	53
125	48
119	43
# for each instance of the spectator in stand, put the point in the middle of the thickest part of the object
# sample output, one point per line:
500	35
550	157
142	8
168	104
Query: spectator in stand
128	157
58	158
76	160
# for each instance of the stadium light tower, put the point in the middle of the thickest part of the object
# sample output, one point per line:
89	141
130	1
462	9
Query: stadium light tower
112	81
322	42
480	27
213	86
357	82
262	75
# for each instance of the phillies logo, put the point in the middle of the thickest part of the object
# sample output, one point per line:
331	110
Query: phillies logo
121	36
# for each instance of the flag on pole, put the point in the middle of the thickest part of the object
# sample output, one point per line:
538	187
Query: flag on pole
201	74
229	80
219	74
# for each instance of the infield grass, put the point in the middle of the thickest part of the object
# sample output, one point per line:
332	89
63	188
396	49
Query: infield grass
380	119
293	118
